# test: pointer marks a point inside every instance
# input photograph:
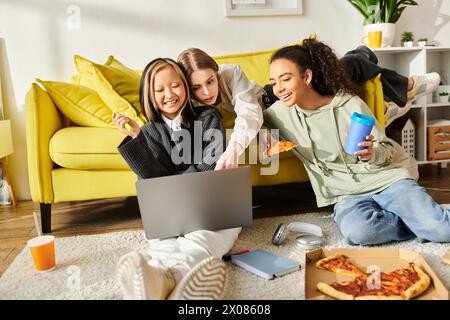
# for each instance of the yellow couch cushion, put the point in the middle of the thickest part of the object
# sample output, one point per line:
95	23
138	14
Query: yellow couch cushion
116	84
287	169
290	170
255	64
86	148
79	185
78	103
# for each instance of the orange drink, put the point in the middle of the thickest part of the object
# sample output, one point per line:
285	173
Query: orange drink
375	39
43	252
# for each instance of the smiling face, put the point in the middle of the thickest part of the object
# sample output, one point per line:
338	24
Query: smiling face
289	85
169	92
204	86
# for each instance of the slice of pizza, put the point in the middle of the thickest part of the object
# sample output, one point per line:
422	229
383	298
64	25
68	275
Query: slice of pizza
340	264
404	284
281	146
344	290
420	286
401	284
356	290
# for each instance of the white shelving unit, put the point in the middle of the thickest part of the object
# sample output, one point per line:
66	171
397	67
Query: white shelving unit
415	61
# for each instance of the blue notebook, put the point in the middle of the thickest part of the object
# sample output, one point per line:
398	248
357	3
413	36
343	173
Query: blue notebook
265	264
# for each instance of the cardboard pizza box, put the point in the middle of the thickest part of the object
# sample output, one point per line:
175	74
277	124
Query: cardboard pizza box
386	259
446	257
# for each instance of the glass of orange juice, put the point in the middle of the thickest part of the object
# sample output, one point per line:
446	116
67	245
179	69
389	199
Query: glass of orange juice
375	39
43	252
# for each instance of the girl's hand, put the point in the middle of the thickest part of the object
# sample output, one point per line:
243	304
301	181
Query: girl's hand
367	153
120	120
230	158
268	141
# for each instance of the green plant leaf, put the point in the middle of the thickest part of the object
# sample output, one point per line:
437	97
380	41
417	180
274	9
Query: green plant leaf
369	9
381	11
390	8
396	15
360	6
407	36
374	11
400	6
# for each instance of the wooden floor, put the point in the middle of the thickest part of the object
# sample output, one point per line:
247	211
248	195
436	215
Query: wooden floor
101	216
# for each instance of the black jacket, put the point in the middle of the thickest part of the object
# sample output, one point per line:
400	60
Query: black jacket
150	154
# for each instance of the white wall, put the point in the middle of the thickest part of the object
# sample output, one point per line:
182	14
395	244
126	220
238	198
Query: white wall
430	19
38	42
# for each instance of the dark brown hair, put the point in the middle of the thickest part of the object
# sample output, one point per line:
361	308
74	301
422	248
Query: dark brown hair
329	75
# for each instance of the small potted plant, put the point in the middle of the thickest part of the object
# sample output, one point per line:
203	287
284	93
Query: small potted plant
443	97
422	42
408	39
382	15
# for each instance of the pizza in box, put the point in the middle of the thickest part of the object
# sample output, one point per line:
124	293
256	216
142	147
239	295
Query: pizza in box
400	284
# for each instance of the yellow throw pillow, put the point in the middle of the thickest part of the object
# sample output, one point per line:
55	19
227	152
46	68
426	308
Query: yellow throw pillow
86	75
75	79
255	65
116	84
80	104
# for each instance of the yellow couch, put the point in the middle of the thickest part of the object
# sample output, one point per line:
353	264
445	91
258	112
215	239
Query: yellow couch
73	163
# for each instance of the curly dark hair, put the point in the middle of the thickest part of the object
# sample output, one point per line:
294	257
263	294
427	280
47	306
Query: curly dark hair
329	74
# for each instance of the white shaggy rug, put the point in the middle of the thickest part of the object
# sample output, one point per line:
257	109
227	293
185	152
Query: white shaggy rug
86	264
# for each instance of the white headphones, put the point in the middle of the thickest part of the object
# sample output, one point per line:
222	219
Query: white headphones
310	235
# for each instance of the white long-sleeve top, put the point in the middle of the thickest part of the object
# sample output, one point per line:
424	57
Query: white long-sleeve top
241	97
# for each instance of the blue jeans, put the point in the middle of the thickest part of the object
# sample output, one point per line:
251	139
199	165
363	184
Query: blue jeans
402	211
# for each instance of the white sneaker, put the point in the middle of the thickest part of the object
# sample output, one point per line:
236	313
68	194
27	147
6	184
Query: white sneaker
206	281
141	281
424	85
393	111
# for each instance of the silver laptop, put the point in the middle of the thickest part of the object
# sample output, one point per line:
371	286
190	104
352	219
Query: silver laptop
212	200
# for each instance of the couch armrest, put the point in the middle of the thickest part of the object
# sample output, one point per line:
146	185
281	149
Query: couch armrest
42	121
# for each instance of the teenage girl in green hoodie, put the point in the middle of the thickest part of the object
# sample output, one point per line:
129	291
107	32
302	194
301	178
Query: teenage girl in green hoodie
376	200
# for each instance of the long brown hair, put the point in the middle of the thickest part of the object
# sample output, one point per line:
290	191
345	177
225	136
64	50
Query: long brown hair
195	59
146	90
329	75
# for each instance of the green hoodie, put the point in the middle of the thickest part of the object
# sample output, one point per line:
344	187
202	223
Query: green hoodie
321	135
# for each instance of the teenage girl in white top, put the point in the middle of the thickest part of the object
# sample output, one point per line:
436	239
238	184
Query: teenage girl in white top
226	88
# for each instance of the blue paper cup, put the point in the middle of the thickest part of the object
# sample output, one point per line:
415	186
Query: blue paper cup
360	127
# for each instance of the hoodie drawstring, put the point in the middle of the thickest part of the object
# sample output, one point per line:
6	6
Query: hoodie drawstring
341	148
316	161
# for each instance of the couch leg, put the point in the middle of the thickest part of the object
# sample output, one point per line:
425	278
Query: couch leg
46	217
